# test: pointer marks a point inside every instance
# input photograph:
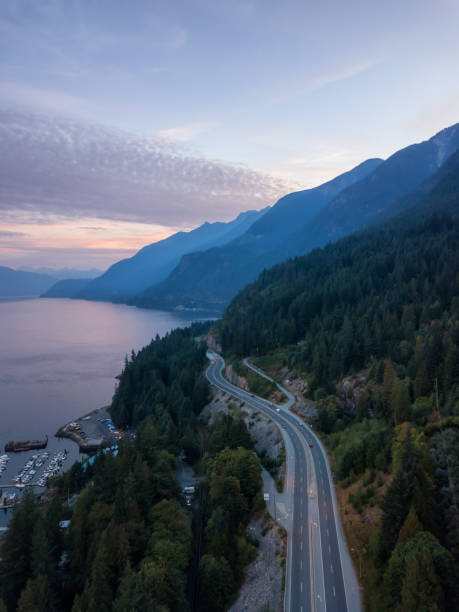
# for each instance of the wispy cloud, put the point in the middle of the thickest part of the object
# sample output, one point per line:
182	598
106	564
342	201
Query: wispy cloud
59	168
6	234
43	99
187	132
346	70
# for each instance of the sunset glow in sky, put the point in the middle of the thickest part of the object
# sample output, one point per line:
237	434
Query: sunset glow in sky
122	122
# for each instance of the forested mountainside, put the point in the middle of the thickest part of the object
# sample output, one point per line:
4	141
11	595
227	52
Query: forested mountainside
365	202
155	261
132	542
211	279
372	323
355	285
164	380
230	267
66	288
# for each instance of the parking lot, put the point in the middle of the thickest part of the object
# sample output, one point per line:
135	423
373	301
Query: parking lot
92	430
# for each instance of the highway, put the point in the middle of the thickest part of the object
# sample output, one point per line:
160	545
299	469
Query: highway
319	575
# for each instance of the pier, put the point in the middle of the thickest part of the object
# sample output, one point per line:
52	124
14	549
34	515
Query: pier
12	485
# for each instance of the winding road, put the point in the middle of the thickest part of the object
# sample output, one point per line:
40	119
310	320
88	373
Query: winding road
319	576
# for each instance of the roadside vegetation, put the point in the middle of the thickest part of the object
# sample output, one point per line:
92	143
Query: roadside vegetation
272	363
256	384
263	388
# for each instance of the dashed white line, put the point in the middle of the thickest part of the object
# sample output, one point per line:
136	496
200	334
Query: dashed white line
301	586
331	568
334	592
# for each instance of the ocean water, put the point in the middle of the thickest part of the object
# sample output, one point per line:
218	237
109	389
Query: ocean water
58	361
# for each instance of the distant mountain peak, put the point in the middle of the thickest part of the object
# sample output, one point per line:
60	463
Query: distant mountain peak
444	140
154	262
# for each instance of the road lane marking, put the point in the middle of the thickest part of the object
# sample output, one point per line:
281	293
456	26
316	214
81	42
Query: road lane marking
301	586
301	545
319	460
331	568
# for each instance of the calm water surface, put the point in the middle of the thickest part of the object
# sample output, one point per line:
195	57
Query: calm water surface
58	361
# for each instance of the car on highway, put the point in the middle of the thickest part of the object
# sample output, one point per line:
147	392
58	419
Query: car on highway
311	445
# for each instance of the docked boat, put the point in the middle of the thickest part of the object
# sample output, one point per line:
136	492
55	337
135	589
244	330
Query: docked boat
17	447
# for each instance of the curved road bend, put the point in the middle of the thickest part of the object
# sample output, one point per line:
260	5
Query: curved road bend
317	555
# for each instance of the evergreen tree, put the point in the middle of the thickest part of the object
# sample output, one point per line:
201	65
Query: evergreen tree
389	381
400	404
99	592
36	596
423	383
410	527
216	583
421	589
41	560
15	551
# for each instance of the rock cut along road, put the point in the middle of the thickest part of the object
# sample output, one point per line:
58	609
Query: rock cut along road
319	576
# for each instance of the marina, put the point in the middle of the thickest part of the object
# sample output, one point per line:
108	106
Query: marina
31	474
53	371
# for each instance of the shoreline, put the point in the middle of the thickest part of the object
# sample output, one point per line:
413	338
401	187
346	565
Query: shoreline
100	435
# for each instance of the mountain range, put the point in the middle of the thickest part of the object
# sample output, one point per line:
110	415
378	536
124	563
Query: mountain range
32	282
64	273
399	260
154	262
18	283
205	268
209	280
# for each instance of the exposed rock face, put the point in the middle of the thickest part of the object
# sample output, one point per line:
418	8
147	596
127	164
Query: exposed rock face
349	390
212	343
235	379
264	432
298	387
262	589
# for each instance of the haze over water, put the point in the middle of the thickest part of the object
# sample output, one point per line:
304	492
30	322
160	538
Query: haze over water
59	358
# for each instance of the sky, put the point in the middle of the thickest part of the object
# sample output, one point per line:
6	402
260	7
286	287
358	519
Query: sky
124	121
